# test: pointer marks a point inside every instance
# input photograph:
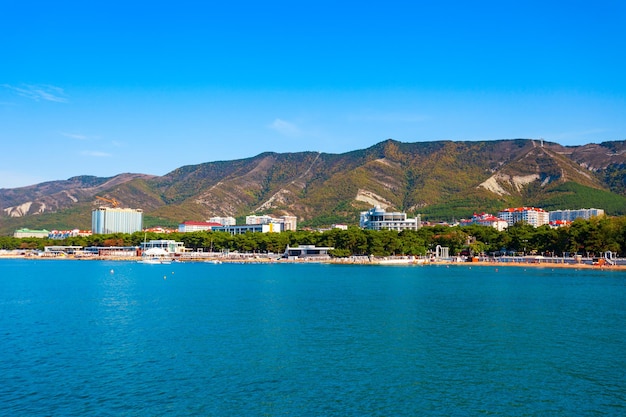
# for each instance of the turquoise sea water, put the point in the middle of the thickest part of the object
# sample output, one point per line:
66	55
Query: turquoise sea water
119	338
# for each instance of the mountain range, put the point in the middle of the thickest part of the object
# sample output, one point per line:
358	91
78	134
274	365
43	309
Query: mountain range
441	180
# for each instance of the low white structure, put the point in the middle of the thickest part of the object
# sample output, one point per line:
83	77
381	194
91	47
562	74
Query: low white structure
250	228
66	250
189	226
21	233
307	251
378	219
170	246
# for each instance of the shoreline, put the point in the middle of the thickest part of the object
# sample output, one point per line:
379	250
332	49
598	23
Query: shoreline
547	263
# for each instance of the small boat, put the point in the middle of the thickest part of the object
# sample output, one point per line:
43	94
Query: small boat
155	256
155	260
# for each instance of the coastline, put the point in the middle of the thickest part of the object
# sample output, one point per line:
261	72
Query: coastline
524	263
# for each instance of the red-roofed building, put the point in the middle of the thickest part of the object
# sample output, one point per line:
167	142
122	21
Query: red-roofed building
533	216
559	223
486	219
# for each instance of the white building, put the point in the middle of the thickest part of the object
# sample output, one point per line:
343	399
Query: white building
254	219
64	234
307	251
286	222
169	246
571	215
224	221
533	216
196	226
378	219
21	233
105	220
289	222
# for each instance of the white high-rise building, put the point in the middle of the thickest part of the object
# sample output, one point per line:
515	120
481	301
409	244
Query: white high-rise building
105	220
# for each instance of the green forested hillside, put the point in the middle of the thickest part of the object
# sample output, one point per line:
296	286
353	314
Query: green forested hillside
441	180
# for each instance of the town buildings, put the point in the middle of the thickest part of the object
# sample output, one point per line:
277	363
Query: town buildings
537	217
378	219
106	220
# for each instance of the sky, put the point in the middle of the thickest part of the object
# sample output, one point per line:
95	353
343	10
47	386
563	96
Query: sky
103	88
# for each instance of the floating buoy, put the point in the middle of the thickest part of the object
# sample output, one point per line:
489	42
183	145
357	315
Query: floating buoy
112	271
164	276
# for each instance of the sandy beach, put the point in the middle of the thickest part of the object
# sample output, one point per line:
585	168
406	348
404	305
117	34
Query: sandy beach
357	260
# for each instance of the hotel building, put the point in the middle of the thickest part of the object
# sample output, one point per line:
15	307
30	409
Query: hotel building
571	215
533	216
105	220
378	219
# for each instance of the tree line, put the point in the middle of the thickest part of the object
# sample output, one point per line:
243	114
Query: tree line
586	237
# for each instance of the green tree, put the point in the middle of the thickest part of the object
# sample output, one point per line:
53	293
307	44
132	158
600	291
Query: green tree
520	235
544	240
453	238
412	243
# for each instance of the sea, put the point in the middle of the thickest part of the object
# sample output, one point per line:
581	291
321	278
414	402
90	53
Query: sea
100	338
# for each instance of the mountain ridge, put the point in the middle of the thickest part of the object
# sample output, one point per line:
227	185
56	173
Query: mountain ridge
437	179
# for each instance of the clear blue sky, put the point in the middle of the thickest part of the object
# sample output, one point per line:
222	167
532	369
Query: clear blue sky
101	88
